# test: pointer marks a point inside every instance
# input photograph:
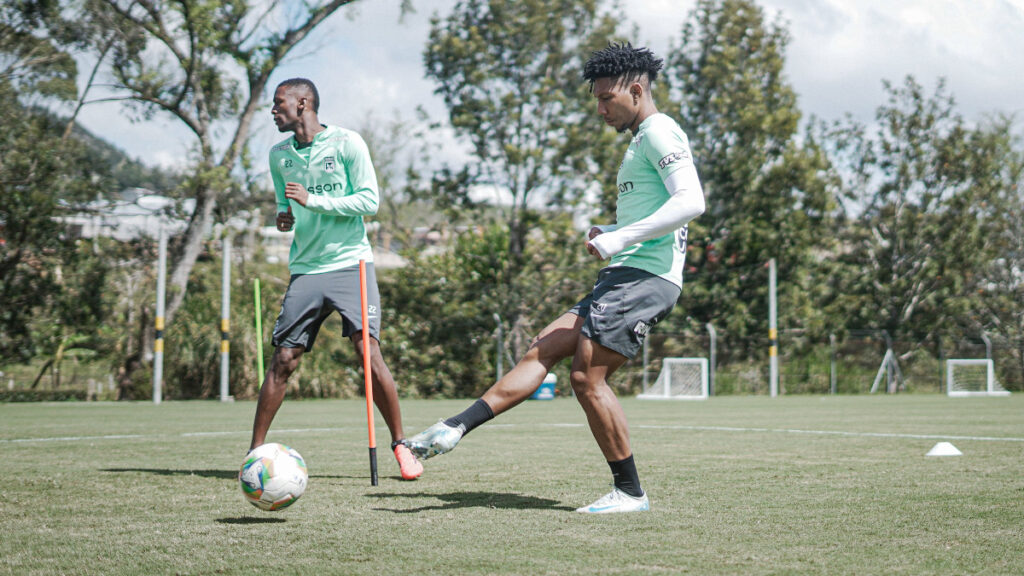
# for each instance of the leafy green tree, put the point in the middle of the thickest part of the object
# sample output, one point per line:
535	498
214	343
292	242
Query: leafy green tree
510	75
766	193
916	240
42	270
206	64
996	291
438	311
203	63
934	243
31	60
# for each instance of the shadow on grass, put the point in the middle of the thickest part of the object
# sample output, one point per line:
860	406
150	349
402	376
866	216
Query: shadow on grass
456	500
250	520
222	474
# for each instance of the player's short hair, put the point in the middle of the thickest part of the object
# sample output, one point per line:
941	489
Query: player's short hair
622	62
307	84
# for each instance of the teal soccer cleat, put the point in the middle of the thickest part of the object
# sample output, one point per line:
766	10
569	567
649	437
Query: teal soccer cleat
617	501
438	439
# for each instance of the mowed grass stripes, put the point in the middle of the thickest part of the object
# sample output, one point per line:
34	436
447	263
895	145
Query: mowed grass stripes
738	485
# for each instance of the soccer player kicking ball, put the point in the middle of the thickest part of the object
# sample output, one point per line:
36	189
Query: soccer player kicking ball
325	184
659	193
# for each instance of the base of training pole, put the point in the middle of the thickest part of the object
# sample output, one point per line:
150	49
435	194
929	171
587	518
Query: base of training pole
373	466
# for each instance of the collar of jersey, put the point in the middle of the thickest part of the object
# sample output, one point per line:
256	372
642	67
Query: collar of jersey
295	143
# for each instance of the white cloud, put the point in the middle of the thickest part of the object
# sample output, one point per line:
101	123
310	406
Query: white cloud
370	63
841	51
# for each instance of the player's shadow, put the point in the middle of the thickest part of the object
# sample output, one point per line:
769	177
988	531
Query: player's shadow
250	520
222	474
456	500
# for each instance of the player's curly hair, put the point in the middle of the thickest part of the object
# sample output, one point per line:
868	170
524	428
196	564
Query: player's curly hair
623	62
307	84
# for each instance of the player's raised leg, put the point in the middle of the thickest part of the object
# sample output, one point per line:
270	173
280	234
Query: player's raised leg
385	397
554	343
282	364
593	364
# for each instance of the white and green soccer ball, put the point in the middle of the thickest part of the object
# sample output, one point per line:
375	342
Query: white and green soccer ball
273	476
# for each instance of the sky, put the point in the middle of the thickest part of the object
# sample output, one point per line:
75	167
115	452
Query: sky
367	63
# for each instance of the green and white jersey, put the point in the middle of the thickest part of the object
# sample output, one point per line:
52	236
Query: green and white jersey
337	172
659	149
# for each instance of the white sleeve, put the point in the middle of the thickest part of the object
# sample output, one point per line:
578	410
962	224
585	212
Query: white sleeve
686	202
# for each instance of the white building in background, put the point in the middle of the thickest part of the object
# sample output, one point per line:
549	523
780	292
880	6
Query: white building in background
139	213
277	244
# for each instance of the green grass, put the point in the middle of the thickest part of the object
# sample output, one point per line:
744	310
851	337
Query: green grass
738	485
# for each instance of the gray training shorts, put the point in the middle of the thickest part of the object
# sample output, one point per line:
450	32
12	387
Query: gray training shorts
623	307
311	298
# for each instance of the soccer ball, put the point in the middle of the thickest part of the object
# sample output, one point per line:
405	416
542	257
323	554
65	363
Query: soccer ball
273	476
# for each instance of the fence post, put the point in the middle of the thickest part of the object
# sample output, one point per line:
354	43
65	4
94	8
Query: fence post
500	351
225	319
832	364
712	357
161	291
773	332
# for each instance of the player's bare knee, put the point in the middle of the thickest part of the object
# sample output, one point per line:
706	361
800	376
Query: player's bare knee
285	361
357	344
581	385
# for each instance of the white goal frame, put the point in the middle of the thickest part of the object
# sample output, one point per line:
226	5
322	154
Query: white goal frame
990	387
693	388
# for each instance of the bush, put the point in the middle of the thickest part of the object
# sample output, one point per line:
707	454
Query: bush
42	395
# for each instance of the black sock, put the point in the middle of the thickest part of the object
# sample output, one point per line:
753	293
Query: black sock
478	413
626	479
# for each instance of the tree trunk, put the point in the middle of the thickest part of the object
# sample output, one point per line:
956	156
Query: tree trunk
198	228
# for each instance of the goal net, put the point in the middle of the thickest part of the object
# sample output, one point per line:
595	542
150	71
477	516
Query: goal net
680	379
972	377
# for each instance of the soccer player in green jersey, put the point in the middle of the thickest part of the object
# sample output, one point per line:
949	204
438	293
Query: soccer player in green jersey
325	184
659	193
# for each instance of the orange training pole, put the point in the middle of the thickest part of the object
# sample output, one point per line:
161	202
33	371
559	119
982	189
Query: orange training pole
367	374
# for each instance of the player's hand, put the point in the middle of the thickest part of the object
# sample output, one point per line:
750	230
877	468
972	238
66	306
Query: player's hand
595	231
297	192
285	220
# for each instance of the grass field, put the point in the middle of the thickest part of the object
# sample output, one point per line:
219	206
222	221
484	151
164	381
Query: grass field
738	485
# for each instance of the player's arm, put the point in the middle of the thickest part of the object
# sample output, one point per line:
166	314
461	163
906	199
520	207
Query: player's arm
364	198
685	202
285	219
668	151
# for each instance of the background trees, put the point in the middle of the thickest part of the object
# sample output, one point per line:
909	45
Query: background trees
206	64
910	223
41	269
510	74
767	193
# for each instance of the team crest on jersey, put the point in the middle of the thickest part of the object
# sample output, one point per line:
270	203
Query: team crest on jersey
328	164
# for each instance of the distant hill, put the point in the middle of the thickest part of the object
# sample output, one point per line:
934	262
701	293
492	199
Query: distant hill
114	164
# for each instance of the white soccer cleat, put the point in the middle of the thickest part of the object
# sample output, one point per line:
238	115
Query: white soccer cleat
617	501
438	439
